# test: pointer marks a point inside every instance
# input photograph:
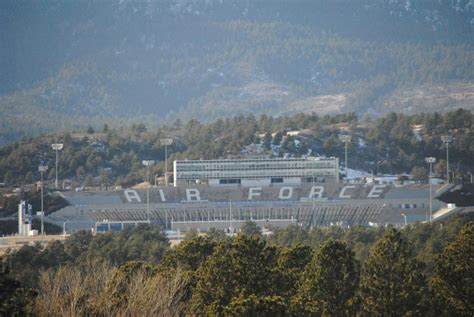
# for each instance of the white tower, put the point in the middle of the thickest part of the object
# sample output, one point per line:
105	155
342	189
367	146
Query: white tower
24	218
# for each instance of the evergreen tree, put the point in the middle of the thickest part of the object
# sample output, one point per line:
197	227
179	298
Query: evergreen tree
29	177
241	267
80	171
419	173
191	234
277	138
267	141
454	274
290	266
189	254
14	299
89	181
271	306
8	178
392	282
330	281
216	235
250	228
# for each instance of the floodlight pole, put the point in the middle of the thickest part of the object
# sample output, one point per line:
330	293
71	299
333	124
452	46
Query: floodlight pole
312	196
431	160
346	139
230	216
345	166
166	164
42	169
166	142
148	192
57	147
447	139
405	218
147	163
447	162
42	205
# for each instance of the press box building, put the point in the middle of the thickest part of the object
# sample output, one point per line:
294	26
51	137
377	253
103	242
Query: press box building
255	172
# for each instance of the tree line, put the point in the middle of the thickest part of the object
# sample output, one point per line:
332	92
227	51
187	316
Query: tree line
135	272
395	143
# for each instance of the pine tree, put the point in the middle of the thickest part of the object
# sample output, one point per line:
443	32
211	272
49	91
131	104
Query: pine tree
454	274
392	282
237	268
330	281
267	141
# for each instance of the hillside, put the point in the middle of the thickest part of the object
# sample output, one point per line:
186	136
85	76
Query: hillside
395	143
67	65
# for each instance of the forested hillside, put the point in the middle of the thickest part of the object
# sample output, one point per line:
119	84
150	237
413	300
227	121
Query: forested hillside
395	143
67	65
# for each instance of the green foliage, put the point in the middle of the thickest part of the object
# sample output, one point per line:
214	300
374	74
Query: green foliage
277	138
78	244
290	235
24	264
238	268
216	235
247	275
271	306
191	234
14	299
419	173
392	282
454	274
250	228
267	141
385	145
291	264
143	242
330	281
189	254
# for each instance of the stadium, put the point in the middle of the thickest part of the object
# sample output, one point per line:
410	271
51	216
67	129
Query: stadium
297	191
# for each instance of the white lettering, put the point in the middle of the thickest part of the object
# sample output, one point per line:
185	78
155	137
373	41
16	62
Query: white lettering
192	194
343	192
316	190
254	191
289	191
162	195
132	195
376	191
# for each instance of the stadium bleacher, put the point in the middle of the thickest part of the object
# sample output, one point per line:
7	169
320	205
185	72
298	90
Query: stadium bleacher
221	204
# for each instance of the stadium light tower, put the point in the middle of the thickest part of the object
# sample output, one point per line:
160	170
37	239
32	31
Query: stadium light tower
431	160
166	142
148	163
42	169
446	140
346	139
404	218
57	147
